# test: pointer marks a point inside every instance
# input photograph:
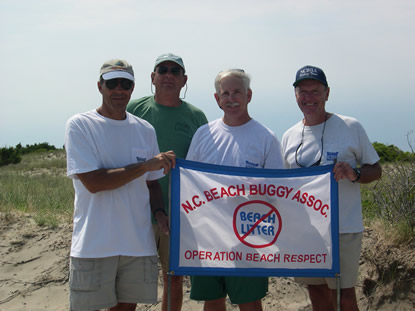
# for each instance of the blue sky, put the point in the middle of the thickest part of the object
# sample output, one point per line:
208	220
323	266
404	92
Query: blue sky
51	52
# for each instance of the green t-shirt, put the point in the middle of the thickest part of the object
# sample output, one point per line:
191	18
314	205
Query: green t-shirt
175	127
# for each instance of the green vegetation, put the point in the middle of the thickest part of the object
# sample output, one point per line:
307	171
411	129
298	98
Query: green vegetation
37	185
13	155
392	199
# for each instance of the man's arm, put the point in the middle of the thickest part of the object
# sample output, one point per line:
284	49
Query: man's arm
110	179
157	207
368	172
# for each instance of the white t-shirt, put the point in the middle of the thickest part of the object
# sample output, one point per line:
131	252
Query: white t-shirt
249	145
344	140
114	222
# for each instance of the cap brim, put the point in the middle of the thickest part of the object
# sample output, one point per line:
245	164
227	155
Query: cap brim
308	78
117	74
169	60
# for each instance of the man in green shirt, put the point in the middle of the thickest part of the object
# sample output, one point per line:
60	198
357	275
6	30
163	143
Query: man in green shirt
175	122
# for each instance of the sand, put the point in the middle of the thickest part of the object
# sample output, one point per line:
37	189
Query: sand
34	274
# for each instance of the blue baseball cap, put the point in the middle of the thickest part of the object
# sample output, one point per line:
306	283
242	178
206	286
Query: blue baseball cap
310	73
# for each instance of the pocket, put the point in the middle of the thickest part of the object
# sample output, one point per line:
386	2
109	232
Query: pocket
83	276
151	271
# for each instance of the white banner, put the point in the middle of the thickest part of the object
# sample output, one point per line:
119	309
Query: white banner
239	221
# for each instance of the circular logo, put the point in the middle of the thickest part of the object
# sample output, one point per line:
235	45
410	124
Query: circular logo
257	223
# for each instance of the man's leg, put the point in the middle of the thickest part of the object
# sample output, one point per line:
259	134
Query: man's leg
176	292
251	306
348	301
176	289
124	307
215	305
321	297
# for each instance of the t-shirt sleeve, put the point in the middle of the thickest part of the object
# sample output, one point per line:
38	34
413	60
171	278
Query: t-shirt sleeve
80	156
367	153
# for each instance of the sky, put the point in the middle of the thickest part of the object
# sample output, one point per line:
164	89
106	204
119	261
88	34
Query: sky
52	50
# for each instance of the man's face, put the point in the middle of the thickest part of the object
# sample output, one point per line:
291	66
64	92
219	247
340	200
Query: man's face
233	99
115	99
311	97
168	77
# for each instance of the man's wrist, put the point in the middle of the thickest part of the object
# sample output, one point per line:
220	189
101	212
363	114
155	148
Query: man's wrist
358	174
157	210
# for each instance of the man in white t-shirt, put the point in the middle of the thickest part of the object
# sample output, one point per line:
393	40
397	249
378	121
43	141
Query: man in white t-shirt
234	140
114	162
323	138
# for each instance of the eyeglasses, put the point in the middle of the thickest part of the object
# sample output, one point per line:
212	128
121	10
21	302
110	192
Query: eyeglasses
317	163
162	70
113	83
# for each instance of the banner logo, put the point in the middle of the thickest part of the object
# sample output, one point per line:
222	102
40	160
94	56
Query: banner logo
257	224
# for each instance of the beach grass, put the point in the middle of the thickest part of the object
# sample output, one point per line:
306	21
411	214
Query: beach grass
38	186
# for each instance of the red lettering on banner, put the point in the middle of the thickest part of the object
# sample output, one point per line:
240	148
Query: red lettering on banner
284	191
229	191
311	201
208	196
325	206
223	192
216	256
297	196
317	205
310	258
196	202
188	207
240	189
264	257
304	197
270	190
214	193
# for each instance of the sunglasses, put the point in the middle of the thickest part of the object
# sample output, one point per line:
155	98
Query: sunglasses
317	163
113	83
175	71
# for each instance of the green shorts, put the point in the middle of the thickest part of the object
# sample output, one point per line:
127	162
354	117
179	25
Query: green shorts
239	289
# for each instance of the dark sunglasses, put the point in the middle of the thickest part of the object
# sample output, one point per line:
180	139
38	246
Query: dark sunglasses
125	84
162	70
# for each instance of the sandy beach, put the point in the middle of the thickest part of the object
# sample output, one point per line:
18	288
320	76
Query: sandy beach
34	274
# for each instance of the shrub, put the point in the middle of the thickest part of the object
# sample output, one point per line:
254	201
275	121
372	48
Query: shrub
392	199
9	156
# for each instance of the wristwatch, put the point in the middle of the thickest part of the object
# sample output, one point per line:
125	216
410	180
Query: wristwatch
358	173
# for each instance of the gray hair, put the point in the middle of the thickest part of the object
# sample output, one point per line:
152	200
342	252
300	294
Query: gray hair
235	73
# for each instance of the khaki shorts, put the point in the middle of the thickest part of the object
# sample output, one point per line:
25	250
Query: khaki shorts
350	245
98	283
163	246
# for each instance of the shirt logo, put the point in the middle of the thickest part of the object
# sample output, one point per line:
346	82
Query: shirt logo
331	156
140	160
250	164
